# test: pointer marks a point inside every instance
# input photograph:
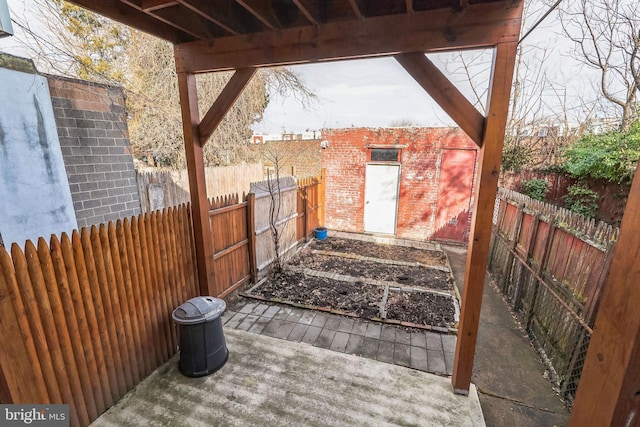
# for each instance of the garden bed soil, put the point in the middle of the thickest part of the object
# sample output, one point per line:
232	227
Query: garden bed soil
381	250
357	298
411	276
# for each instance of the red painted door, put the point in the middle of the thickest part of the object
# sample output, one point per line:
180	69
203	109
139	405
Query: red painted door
457	169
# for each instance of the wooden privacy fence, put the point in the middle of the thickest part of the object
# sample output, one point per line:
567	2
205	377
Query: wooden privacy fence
87	317
160	189
243	246
552	265
310	205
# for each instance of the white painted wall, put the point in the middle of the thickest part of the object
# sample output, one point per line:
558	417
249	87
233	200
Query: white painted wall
35	200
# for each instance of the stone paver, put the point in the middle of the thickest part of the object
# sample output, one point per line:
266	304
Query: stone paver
422	350
402	355
435	362
298	332
419	358
340	341
385	351
388	333
434	341
312	334
354	346
325	339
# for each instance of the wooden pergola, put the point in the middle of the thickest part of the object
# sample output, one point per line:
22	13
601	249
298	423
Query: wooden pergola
244	35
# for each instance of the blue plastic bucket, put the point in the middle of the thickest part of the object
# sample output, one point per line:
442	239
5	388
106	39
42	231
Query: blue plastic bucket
320	233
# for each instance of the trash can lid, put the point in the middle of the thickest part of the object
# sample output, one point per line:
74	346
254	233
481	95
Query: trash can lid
199	310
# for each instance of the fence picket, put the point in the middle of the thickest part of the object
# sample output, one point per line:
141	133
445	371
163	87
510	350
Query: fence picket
35	324
103	317
55	345
122	298
152	350
132	295
25	381
95	316
59	325
78	331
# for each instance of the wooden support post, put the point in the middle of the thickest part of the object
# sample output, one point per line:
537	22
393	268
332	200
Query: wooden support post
486	189
196	134
609	389
197	182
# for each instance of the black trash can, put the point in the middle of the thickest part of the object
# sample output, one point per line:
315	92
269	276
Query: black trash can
202	346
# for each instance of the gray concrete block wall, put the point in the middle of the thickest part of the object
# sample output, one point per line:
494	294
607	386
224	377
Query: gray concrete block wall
94	138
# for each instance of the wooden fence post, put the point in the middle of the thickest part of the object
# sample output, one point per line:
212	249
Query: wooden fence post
517	298
251	236
305	197
514	243
545	256
321	196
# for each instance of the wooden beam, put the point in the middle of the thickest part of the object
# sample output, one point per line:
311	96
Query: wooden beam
444	93
197	181
485	194
609	390
479	25
224	102
133	17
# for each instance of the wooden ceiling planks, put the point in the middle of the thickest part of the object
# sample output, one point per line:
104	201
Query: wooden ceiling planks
478	26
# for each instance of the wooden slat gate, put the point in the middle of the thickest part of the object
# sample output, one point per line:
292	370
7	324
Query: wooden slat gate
231	261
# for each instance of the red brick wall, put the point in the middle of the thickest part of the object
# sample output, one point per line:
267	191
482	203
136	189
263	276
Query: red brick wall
345	161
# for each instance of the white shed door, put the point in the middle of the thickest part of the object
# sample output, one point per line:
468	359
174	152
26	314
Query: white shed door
381	198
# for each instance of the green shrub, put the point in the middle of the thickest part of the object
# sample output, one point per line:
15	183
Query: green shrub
536	188
612	156
581	200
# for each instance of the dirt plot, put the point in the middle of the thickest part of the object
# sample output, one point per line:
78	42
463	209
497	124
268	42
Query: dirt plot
411	276
363	299
380	250
421	308
354	298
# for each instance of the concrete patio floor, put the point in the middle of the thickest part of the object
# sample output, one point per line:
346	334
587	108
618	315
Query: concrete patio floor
269	381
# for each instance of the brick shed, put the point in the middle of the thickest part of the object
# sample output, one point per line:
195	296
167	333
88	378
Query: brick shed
414	183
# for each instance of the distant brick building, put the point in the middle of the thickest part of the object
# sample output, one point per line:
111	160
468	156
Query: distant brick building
414	183
298	154
94	138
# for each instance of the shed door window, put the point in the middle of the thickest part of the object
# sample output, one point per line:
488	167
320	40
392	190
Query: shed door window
385	154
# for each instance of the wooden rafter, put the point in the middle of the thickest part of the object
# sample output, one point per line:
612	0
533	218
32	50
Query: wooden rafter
305	11
260	15
151	5
135	17
480	25
485	195
224	102
356	9
444	93
198	9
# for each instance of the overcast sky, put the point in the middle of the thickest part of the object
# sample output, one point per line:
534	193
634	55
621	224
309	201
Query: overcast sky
371	93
